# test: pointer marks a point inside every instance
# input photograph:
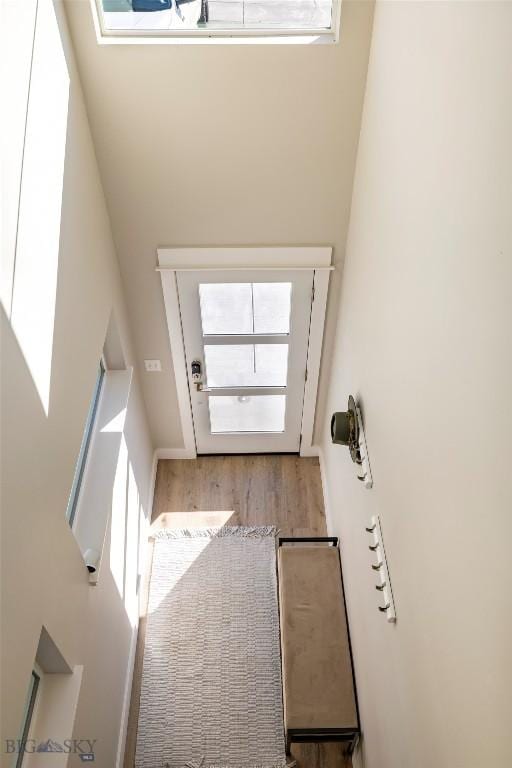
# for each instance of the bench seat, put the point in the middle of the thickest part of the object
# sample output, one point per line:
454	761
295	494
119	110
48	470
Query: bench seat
318	686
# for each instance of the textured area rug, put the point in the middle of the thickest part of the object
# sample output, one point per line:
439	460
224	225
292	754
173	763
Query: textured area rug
211	682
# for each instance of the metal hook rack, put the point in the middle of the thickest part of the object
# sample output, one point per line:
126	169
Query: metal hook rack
381	568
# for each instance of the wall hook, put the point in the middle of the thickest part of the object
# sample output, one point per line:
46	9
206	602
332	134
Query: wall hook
381	567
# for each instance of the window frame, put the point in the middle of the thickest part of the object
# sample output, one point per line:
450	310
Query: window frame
85	445
274	35
28	717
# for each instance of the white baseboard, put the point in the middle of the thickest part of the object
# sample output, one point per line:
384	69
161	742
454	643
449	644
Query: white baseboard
152	483
357	756
121	745
309	450
133	642
325	490
175	453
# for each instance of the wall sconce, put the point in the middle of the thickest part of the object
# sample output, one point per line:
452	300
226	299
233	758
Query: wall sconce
347	429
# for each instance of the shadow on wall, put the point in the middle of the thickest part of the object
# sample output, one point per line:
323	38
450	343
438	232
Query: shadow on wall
30	260
58	287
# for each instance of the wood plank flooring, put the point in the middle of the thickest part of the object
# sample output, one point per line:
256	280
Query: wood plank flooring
281	490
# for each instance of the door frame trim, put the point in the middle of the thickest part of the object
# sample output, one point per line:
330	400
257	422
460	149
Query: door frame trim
173	260
173	316
313	361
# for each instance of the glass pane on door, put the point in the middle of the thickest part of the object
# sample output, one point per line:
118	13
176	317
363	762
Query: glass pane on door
245	308
246	365
272	307
246	413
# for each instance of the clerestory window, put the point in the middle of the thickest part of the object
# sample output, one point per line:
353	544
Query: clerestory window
217	17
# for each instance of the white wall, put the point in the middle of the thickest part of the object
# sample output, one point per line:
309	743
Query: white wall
67	276
424	341
219	145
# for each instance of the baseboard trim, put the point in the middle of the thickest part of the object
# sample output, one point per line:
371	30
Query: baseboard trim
357	756
309	450
175	453
121	746
152	483
127	696
325	491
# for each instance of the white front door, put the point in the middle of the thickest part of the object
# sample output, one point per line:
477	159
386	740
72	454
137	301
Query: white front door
246	340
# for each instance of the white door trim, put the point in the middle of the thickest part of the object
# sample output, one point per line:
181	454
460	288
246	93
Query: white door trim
314	358
170	260
184	259
172	313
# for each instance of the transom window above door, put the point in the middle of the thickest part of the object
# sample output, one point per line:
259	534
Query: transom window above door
217	17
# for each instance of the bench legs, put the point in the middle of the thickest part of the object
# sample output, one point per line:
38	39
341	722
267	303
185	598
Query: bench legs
318	735
352	745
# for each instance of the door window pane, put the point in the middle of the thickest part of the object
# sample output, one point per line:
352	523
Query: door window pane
226	308
245	308
246	365
272	307
261	413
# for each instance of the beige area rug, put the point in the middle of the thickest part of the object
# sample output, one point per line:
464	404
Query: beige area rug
211	682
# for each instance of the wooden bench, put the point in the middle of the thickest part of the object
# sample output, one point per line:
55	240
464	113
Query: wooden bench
318	682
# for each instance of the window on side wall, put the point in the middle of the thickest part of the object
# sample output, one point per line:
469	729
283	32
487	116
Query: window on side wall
28	717
81	463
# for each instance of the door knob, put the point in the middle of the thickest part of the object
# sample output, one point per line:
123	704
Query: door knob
196	370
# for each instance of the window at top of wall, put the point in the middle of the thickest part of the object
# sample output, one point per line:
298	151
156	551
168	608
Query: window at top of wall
217	17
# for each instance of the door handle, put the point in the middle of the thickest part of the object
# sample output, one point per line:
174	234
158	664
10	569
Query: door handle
196	370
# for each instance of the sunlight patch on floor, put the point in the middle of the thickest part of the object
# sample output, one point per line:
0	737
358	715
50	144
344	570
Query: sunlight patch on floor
196	519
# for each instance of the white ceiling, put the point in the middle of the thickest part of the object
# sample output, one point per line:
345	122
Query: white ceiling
219	145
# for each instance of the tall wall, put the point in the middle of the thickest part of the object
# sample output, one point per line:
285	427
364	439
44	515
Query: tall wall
58	296
219	145
424	341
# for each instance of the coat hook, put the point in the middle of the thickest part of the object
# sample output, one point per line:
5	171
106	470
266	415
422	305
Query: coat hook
373	547
377	567
380	587
384	608
371	529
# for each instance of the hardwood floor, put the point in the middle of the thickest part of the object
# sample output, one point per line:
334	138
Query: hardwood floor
281	490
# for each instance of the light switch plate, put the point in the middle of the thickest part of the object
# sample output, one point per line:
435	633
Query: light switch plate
152	365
